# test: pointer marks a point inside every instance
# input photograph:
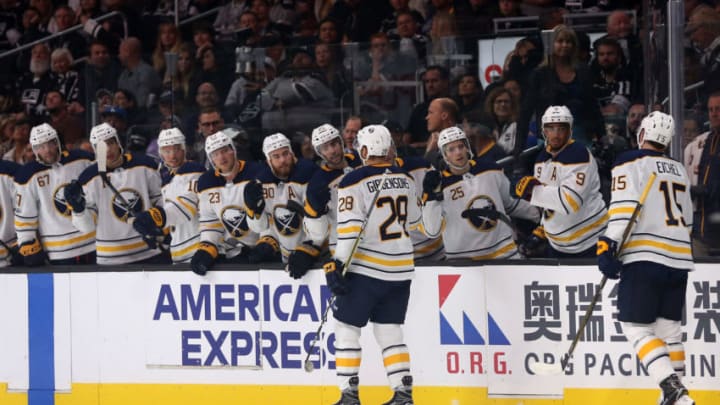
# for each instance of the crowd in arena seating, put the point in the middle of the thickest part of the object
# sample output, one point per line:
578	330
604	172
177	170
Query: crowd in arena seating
258	67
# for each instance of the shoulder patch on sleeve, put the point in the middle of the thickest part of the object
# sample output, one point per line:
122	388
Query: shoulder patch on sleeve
79	154
483	165
411	163
209	180
575	153
142	160
191	167
22	173
88	174
304	170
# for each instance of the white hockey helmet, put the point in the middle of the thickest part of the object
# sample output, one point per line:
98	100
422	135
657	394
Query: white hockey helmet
377	140
557	114
274	142
103	132
657	127
171	136
216	141
324	134
452	134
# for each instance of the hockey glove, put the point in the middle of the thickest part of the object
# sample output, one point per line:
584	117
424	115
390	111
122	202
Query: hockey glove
33	253
265	250
336	282
16	259
74	196
536	244
432	186
608	263
525	186
150	225
253	194
204	258
302	259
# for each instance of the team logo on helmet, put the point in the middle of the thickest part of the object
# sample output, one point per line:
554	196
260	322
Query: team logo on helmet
134	202
287	221
482	223
59	202
234	220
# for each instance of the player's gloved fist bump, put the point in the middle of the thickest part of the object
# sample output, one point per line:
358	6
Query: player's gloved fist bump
608	262
204	258
302	259
253	195
525	186
336	282
33	253
150	222
536	244
265	250
74	196
432	186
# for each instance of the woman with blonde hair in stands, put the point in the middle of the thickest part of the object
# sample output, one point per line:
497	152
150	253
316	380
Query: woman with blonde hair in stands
444	35
168	40
185	80
502	107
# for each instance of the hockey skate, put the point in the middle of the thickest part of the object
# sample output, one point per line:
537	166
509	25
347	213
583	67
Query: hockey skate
674	393
403	395
349	396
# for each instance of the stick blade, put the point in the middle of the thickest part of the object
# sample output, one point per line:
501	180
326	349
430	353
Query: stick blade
309	366
101	156
541	368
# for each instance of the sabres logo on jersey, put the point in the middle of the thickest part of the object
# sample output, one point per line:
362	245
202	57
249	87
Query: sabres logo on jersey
234	220
287	221
134	203
59	202
479	221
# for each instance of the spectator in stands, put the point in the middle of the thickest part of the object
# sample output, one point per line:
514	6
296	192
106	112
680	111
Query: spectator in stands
168	40
691	130
209	121
482	140
7	126
470	95
522	60
21	151
436	80
101	70
561	80
10	16
88	9
412	43
703	30
620	28
202	34
137	76
205	97
350	130
116	117
515	89
328	32
67	80
212	71
261	8
228	17
185	80
134	115
31	32
73	41
445	36
509	8
359	23
335	74
69	125
478	18
381	64
706	225
248	33
609	75
104	98
442	113
635	114
390	24
45	15
503	109
37	82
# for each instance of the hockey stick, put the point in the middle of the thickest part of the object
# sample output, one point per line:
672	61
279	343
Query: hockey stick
557	368
308	364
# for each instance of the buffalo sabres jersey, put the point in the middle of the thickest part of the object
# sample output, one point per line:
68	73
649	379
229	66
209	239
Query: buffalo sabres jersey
424	246
223	220
284	205
41	210
325	178
574	213
138	182
180	202
385	250
8	170
661	233
476	235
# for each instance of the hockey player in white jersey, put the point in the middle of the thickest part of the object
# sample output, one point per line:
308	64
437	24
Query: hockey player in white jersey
9	254
320	222
566	185
375	285
466	203
97	207
42	218
275	202
654	262
224	230
178	214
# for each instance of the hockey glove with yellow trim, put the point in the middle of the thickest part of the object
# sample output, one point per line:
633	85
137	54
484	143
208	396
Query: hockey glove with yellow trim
266	250
204	258
33	253
336	282
525	186
536	244
432	186
150	225
608	262
302	259
254	201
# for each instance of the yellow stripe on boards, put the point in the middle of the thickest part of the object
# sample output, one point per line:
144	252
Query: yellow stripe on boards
156	394
12	398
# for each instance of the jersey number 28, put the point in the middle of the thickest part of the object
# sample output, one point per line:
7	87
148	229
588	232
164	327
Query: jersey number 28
398	214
